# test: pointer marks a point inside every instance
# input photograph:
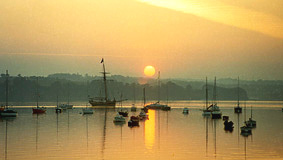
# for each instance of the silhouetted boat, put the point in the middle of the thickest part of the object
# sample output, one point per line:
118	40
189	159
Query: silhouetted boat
134	121
119	118
157	104
186	110
58	109
134	108
246	130
207	111
122	111
68	105
103	102
6	112
216	113
38	110
87	110
228	126
251	123
238	109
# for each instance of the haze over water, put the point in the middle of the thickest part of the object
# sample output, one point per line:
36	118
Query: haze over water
166	135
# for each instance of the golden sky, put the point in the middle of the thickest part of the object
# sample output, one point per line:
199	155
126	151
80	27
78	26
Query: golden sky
181	38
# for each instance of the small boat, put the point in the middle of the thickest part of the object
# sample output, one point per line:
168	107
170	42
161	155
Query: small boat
66	106
119	118
143	115
186	110
251	123
6	112
207	111
246	130
124	113
238	109
134	121
87	110
58	109
228	126
133	108
216	113
157	104
37	109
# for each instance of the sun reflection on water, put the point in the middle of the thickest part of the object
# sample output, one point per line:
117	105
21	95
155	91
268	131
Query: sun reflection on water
149	129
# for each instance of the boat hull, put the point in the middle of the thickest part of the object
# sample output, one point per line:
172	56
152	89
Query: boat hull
38	110
8	114
216	115
238	110
101	104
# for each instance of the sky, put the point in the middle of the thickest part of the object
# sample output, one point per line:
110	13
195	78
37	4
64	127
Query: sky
180	38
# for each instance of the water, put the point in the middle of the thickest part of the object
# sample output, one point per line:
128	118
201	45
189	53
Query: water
166	135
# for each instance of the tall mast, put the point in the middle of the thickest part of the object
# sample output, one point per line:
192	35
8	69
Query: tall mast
214	91
238	92
134	93
7	88
206	94
37	95
104	79
143	96
251	112
158	86
68	92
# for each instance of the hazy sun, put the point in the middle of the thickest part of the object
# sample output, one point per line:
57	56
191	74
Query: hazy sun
149	71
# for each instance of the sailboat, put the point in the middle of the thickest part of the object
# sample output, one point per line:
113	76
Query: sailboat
134	108
68	105
122	111
246	130
58	109
143	115
157	104
103	102
38	110
87	110
8	112
207	111
216	113
251	123
238	109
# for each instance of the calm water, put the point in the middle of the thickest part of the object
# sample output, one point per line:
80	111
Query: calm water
166	135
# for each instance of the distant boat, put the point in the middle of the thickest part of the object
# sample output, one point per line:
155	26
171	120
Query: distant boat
134	121
119	118
103	102
157	104
228	125
216	113
238	109
122	111
251	123
134	108
68	105
207	111
6	112
38	110
186	110
246	130
87	110
58	109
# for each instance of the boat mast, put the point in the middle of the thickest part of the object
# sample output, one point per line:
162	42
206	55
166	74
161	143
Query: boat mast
68	92
158	86
251	112
238	92
37	95
7	83
104	79
206	94
214	91
143	96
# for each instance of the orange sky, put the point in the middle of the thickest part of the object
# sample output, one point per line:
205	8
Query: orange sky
181	38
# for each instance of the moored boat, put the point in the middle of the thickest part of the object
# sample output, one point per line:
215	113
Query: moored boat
186	110
134	121
238	109
119	118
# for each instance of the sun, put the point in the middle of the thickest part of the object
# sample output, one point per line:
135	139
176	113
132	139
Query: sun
149	71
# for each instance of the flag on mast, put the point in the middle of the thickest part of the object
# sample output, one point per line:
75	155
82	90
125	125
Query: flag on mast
102	61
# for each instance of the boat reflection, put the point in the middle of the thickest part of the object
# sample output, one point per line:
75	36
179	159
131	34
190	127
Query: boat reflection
149	129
